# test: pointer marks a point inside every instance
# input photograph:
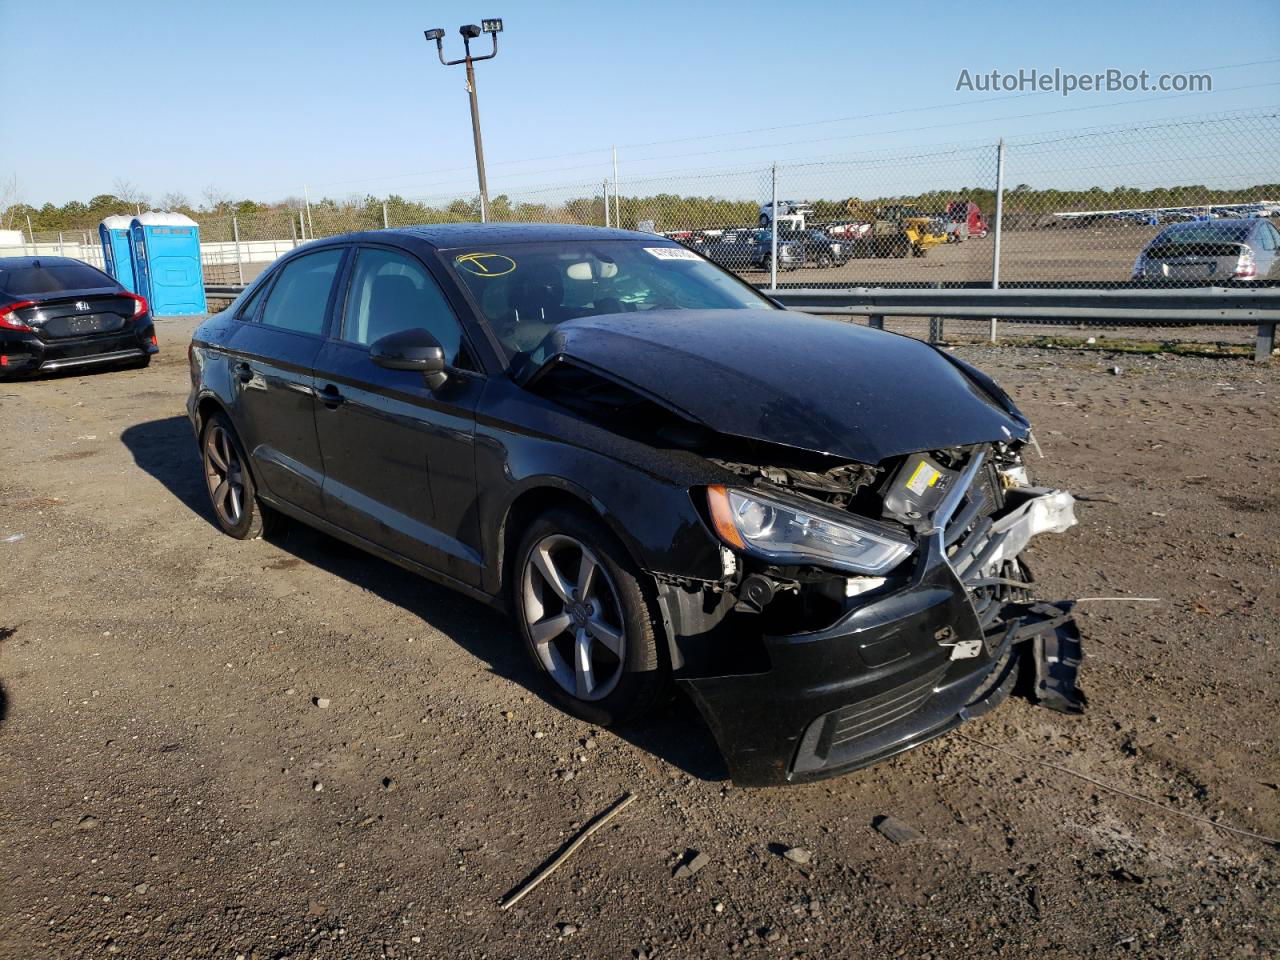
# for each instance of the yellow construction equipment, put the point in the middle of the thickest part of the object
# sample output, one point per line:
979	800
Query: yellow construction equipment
897	230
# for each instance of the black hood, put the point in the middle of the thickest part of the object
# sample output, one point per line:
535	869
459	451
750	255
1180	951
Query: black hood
790	378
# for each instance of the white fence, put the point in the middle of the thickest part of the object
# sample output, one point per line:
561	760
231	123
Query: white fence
211	254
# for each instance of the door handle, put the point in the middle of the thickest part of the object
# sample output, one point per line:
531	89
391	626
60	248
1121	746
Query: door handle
243	371
331	396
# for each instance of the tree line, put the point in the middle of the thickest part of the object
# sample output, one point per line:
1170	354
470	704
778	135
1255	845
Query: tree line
666	211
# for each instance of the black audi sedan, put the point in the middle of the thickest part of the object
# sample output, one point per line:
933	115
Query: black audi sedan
811	527
58	313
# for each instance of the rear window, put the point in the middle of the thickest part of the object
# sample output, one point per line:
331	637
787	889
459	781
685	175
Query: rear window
1205	232
52	278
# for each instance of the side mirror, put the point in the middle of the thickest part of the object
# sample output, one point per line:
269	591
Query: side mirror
414	349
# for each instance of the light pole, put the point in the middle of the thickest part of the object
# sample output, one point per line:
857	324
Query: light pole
470	32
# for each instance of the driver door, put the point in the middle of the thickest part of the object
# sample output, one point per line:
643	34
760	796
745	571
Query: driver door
399	463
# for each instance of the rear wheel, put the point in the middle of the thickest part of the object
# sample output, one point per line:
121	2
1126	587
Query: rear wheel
582	610
232	492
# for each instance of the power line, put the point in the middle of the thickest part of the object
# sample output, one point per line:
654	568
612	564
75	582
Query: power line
772	147
807	123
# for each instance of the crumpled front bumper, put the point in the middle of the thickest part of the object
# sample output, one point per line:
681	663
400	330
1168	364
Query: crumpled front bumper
892	672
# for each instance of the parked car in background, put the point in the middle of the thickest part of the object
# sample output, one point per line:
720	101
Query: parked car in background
1212	251
732	249
811	526
57	313
796	248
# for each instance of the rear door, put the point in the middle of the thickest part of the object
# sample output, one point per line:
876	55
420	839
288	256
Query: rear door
399	463
271	358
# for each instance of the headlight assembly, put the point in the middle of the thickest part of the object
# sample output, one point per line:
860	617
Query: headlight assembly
786	533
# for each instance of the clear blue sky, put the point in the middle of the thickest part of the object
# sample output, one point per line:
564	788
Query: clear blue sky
261	98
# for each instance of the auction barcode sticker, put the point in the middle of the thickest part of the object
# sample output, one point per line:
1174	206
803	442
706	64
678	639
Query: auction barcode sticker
671	253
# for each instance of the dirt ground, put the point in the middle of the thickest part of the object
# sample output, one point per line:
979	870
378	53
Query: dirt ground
170	787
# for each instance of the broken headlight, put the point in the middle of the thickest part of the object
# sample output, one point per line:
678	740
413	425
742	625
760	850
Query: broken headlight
784	532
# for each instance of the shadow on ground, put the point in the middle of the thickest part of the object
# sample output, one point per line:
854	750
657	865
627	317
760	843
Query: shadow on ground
677	733
167	450
5	634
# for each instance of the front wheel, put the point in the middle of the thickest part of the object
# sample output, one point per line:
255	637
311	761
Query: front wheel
583	612
232	492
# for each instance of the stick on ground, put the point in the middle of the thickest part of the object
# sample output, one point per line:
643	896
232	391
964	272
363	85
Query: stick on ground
519	893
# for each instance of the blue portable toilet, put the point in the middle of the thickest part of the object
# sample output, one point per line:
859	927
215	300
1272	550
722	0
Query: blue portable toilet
116	250
166	263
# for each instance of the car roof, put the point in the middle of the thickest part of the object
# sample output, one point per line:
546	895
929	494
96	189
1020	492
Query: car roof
471	234
1234	222
12	263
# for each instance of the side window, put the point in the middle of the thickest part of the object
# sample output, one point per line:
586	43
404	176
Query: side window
247	311
298	300
1269	236
391	292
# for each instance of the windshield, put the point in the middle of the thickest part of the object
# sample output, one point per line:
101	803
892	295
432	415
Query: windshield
524	289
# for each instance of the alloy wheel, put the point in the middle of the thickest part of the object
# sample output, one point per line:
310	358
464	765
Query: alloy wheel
224	474
574	617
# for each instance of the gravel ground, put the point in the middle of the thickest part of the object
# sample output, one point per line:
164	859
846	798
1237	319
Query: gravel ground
287	748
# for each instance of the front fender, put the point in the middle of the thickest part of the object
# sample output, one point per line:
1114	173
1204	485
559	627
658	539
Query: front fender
648	507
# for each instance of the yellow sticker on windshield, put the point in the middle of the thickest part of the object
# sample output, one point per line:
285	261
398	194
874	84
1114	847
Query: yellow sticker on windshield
484	264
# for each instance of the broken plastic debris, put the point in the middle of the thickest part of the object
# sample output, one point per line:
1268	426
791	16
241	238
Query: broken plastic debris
895	830
12	538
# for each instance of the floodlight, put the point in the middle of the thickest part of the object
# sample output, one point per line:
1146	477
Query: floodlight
491	26
437	34
469	32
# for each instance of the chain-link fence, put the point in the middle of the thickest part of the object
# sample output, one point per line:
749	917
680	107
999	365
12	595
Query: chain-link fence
1189	200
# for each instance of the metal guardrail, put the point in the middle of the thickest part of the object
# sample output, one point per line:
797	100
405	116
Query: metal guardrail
1200	306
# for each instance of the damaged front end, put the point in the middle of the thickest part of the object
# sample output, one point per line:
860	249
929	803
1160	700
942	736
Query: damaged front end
867	609
871	505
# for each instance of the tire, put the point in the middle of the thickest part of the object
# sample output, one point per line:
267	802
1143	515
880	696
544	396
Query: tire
825	260
628	673
236	507
764	220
